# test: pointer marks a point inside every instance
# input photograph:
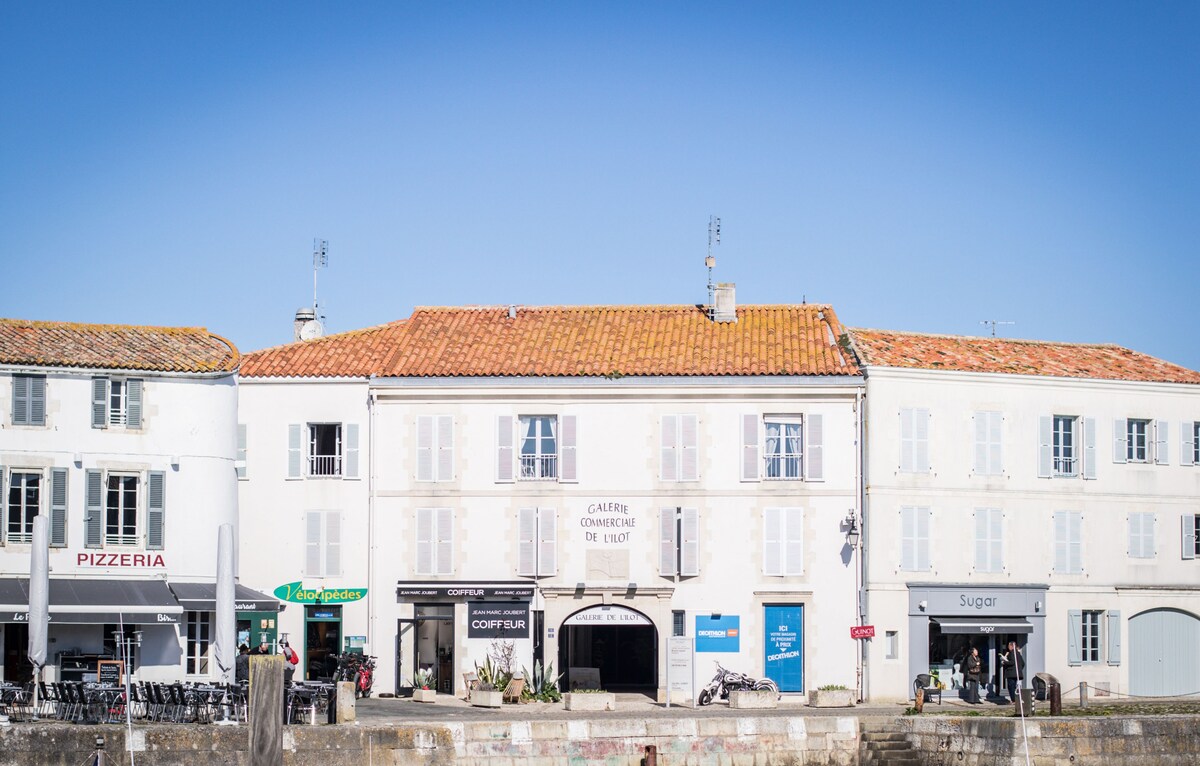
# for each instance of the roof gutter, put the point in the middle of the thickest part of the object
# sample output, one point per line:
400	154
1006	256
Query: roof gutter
58	369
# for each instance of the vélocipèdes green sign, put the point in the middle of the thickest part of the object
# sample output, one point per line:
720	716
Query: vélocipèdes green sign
296	592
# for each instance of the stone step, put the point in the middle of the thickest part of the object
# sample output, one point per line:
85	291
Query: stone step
883	736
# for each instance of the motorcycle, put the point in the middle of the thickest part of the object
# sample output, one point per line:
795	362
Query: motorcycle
359	670
726	681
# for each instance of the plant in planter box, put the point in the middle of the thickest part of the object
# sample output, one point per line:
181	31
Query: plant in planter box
423	678
543	684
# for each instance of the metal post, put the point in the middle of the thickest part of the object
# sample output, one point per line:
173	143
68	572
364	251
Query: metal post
1055	699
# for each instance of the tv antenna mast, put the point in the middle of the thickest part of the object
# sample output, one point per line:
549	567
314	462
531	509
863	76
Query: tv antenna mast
320	261
714	237
993	323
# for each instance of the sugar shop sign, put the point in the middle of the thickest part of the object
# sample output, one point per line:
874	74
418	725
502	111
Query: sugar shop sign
608	523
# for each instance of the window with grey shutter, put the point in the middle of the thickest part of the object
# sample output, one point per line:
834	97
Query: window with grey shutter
679	448
1045	447
133	403
1188	527
351	451
1120	440
313	532
156	511
988	451
20	400
1141	535
239	462
1187	445
1074	636
914	440
505	457
1162	454
1068	545
689	542
814	448
295	458
566	445
445	541
751	465
29	400
425	448
99	402
93	523
547	563
537	542
435	542
1114	637
58	507
989	540
333	544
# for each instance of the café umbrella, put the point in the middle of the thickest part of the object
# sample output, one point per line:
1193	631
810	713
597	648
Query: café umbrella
225	645
39	601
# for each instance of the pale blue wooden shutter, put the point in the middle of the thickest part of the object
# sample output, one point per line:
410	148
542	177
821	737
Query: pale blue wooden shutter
1075	544
240	462
504	449
1089	448
1120	440
527	542
773	541
982	549
1188	535
133	403
567	438
668	468
1061	543
99	402
1074	636
689	448
352	450
1114	637
547	531
1045	447
37	400
751	465
689	544
1162	450
1187	432
995	443
295	459
156	511
814	448
445	448
93	523
20	402
667	565
58	507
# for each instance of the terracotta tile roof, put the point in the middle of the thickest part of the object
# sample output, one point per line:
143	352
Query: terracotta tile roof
115	347
561	341
888	348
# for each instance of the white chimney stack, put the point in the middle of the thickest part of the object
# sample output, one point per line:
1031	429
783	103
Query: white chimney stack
724	302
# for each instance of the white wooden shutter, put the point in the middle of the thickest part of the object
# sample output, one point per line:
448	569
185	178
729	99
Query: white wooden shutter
504	449
689	448
814	448
1162	453
1120	440
527	528
566	449
995	443
1188	535
425	534
751	441
1075	541
921	441
93	523
1060	542
689	545
1089	447
980	422
425	448
1074	636
445	448
1114	637
240	462
133	403
99	402
547	530
37	400
445	541
908	538
295	459
667	565
669	448
58	506
1187	454
156	511
333	543
351	451
923	548
907	446
773	541
312	544
1045	447
793	541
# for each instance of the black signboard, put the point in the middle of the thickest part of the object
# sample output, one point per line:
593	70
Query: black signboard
108	672
497	619
409	591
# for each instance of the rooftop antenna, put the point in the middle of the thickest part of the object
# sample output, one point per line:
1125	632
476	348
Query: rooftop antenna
993	323
714	237
320	261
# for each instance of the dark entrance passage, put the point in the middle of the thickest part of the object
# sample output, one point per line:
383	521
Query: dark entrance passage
17	668
322	641
615	643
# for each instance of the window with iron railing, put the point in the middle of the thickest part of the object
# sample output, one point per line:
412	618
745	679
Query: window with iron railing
1065	451
24	502
783	450
121	510
539	447
325	449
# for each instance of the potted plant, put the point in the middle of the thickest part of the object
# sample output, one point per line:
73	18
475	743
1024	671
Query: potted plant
489	688
422	681
831	695
542	685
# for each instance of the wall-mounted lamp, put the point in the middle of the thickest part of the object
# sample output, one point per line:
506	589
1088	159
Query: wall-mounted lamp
175	461
78	458
923	605
1037	606
853	533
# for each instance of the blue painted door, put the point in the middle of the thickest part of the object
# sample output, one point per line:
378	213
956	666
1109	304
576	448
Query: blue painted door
783	646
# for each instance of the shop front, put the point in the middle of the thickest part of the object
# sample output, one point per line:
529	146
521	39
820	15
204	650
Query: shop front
257	613
947	621
611	647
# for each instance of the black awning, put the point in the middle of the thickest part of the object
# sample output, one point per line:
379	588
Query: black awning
983	625
96	602
202	597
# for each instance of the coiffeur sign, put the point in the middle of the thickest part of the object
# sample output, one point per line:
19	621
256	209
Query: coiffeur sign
298	594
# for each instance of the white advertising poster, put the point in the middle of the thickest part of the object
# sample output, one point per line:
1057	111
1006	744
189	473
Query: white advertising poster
680	689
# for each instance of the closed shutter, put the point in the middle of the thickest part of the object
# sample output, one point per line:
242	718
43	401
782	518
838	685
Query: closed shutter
1074	636
1114	637
99	402
1045	447
20	403
1075	537
566	448
1187	431
156	511
133	403
445	448
689	546
240	462
982	548
793	541
1120	440
333	543
1089	447
907	447
689	446
1162	450
312	544
995	443
37	400
923	526
504	449
921	441
445	541
1188	535
424	448
997	560
93	523
295	461
58	507
548	542
666	542
814	448
425	540
751	465
773	541
668	448
1060	542
908	538
980	421
352	450
527	523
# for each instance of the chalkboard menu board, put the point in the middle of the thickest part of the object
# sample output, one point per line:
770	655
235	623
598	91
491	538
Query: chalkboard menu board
109	672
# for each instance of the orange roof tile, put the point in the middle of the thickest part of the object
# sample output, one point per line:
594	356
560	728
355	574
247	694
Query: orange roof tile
889	348
567	341
115	347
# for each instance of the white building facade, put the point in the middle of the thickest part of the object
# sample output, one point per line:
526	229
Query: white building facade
1042	493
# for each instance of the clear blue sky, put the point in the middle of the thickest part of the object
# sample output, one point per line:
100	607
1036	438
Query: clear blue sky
921	166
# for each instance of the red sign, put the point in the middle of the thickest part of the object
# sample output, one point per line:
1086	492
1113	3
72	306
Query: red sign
862	631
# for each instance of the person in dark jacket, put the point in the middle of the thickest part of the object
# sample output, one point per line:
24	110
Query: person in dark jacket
974	673
242	664
1014	669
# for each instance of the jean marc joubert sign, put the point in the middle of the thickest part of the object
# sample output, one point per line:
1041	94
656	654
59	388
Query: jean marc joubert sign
607	523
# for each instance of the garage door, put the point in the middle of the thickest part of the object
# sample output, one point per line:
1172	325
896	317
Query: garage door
1162	653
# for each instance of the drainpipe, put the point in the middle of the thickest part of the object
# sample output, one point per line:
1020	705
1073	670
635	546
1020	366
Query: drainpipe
860	456
371	520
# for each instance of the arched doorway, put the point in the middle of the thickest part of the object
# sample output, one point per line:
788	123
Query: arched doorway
610	647
1162	653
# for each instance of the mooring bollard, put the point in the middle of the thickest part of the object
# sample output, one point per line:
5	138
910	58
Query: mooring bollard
920	699
651	757
1055	693
1083	700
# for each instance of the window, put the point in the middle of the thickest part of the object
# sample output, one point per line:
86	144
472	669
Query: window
331	451
1191	540
678	623
1068	546
435	448
783	447
678	542
1137	447
891	645
989	540
914	539
116	402
435	541
198	641
29	400
1189	453
1065	458
783	541
1089	637
323	544
24	502
1140	441
1066	447
325	449
988	454
115	516
537	544
539	449
1086	641
544	448
678	448
914	441
1141	535
121	510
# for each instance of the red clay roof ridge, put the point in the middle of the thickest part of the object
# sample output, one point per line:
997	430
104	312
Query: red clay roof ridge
947	336
335	336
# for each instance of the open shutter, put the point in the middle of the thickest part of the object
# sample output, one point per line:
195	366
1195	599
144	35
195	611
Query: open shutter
425	540
351	450
424	448
1187	453
773	541
666	542
527	524
1074	636
566	448
1045	447
156	511
445	541
1162	450
793	541
547	530
1120	440
814	449
923	525
1114	637
907	448
58	507
333	543
133	403
445	448
1089	448
37	400
93	523
689	546
689	448
295	451
504	449
240	462
20	402
99	402
751	465
668	448
1188	535
312	544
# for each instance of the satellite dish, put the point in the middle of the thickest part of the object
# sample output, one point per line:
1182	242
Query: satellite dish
310	329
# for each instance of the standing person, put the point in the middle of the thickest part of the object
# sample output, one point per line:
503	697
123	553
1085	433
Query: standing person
974	674
242	664
262	648
1014	669
290	660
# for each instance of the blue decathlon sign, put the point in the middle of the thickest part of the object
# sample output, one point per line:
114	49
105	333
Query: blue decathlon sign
718	633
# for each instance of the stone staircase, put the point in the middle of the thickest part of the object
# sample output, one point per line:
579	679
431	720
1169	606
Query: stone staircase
881	743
